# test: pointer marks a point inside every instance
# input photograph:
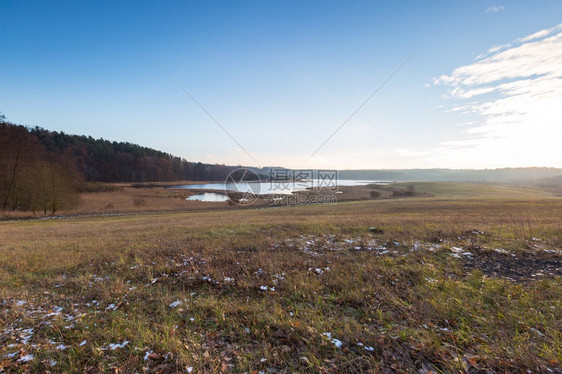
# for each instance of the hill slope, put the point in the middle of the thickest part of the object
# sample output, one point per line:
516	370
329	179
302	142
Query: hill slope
100	160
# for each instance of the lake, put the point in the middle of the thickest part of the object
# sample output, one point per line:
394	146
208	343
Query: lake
270	187
209	197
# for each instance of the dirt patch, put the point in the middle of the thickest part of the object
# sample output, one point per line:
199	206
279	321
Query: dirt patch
516	266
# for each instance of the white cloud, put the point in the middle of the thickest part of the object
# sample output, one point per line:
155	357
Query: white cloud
515	91
540	34
495	9
493	49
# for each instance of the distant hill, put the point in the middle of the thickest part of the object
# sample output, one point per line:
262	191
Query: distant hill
504	175
550	182
100	160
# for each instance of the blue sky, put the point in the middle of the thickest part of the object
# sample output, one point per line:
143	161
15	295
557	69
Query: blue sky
282	76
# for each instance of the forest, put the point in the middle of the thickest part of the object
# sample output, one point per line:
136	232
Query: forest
41	170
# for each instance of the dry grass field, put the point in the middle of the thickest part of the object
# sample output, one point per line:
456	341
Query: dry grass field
117	198
467	280
129	199
125	198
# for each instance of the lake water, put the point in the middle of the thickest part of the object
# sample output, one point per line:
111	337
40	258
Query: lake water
271	187
209	197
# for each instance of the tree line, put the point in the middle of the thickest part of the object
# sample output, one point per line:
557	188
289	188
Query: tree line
100	160
31	178
42	170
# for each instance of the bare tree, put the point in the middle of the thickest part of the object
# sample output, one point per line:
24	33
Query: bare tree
50	188
18	151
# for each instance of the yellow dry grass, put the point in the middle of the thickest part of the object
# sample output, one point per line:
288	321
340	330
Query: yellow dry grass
186	289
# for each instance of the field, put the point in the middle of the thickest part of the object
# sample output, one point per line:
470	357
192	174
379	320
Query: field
465	280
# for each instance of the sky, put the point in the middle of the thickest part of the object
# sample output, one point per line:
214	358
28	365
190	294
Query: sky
452	84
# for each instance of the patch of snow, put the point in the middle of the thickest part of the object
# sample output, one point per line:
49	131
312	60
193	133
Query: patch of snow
337	343
501	250
537	331
111	307
55	311
26	358
114	346
25	335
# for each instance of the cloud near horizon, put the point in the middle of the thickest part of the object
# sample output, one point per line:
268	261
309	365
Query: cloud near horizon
514	93
495	9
